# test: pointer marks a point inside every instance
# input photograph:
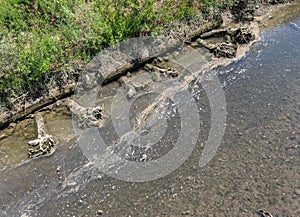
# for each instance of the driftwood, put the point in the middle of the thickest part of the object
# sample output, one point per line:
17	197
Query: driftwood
44	144
219	49
206	28
205	44
169	72
214	32
87	117
21	113
234	36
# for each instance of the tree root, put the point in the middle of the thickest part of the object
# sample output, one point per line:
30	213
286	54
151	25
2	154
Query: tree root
225	50
87	117
234	36
241	35
44	144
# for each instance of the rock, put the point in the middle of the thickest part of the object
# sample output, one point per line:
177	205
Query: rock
3	136
194	44
166	58
12	125
297	191
100	211
186	212
58	169
264	214
176	54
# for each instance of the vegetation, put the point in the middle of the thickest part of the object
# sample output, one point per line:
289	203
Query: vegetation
40	39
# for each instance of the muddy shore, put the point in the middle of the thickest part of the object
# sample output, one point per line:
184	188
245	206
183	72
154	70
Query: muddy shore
227	21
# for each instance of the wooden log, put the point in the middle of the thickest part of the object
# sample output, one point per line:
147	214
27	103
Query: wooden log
214	32
206	45
8	117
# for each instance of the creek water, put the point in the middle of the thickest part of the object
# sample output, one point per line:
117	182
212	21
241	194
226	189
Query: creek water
257	165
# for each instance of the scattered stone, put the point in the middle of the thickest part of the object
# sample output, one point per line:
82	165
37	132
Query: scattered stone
219	49
166	58
242	10
213	33
297	191
100	211
186	212
58	169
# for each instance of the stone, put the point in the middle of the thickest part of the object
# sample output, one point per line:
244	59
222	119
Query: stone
58	169
166	58
12	125
100	211
297	191
186	212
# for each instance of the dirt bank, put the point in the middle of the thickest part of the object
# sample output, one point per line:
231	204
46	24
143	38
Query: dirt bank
237	30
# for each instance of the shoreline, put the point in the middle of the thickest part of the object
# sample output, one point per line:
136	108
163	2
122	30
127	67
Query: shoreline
55	96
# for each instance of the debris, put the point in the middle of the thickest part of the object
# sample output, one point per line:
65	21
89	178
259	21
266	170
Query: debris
214	32
44	144
171	72
241	35
264	214
87	117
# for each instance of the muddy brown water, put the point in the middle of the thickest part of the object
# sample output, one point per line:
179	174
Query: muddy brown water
257	166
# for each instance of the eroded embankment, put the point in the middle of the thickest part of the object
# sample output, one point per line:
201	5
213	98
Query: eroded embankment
229	26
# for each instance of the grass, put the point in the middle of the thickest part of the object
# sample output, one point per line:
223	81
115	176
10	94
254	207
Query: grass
40	39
